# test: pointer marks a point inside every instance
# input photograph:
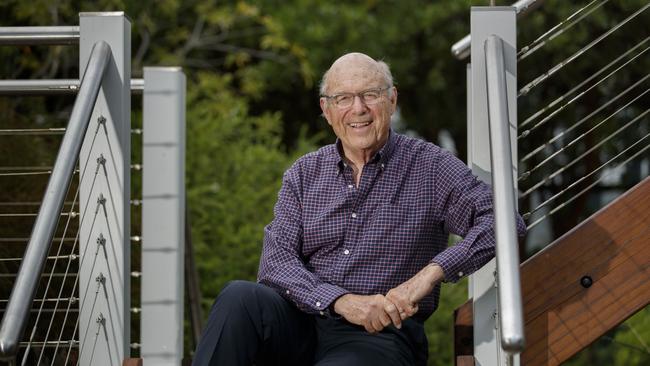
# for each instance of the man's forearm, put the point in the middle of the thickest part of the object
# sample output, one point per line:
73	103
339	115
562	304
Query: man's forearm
407	295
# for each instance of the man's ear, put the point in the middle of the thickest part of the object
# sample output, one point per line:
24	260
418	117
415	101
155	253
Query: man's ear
393	99
323	107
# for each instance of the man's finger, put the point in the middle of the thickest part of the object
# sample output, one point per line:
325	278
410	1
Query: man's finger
385	319
377	326
394	315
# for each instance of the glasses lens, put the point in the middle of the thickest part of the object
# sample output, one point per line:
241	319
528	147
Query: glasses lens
371	96
344	100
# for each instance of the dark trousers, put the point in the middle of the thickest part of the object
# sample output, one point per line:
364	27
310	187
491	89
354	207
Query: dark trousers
252	324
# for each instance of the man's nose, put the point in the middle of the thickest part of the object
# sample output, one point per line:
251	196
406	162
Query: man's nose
358	105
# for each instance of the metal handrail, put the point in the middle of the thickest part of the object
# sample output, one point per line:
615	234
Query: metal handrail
507	252
26	283
461	49
57	35
51	86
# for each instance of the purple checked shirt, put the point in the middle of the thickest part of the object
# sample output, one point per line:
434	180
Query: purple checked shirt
329	238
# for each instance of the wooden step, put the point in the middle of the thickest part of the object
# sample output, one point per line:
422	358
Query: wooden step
586	282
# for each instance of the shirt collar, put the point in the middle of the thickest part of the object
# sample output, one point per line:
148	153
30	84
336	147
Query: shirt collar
381	157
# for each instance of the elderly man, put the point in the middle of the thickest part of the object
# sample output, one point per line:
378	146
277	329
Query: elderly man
352	261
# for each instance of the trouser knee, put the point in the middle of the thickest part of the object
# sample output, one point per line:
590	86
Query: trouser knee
236	296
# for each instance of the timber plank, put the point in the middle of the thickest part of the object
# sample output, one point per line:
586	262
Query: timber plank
613	248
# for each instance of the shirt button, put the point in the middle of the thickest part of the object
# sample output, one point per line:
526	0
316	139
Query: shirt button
460	274
287	292
354	215
346	252
322	313
317	303
350	186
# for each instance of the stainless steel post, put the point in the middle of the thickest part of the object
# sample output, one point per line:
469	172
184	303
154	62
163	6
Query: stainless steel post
163	216
108	341
486	21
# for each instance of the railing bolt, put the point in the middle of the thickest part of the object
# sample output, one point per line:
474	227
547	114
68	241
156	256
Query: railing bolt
101	200
101	240
101	159
100	319
586	281
101	119
101	279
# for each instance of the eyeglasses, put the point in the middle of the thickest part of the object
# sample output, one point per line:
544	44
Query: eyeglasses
345	100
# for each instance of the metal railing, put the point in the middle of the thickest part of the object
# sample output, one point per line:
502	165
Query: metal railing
57	35
461	49
505	207
602	140
55	86
81	311
57	325
576	132
13	323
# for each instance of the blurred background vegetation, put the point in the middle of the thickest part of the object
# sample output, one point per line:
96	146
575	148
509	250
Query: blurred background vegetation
253	69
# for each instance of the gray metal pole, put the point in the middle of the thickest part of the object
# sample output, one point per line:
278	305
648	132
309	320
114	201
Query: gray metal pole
52	86
484	22
507	247
61	35
163	216
106	312
461	49
31	267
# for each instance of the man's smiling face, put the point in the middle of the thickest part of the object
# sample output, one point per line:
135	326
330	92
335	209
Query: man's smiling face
362	128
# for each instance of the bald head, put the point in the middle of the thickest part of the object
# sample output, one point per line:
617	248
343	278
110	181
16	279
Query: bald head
355	65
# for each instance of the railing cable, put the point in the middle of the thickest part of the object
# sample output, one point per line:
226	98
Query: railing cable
575	140
589	151
533	117
60	246
581	179
526	89
559	29
559	207
74	333
100	162
50	257
15	317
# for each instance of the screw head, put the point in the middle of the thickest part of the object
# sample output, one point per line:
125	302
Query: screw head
586	281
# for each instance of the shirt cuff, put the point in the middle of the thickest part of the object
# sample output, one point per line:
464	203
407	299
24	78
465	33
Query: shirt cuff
323	296
453	268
